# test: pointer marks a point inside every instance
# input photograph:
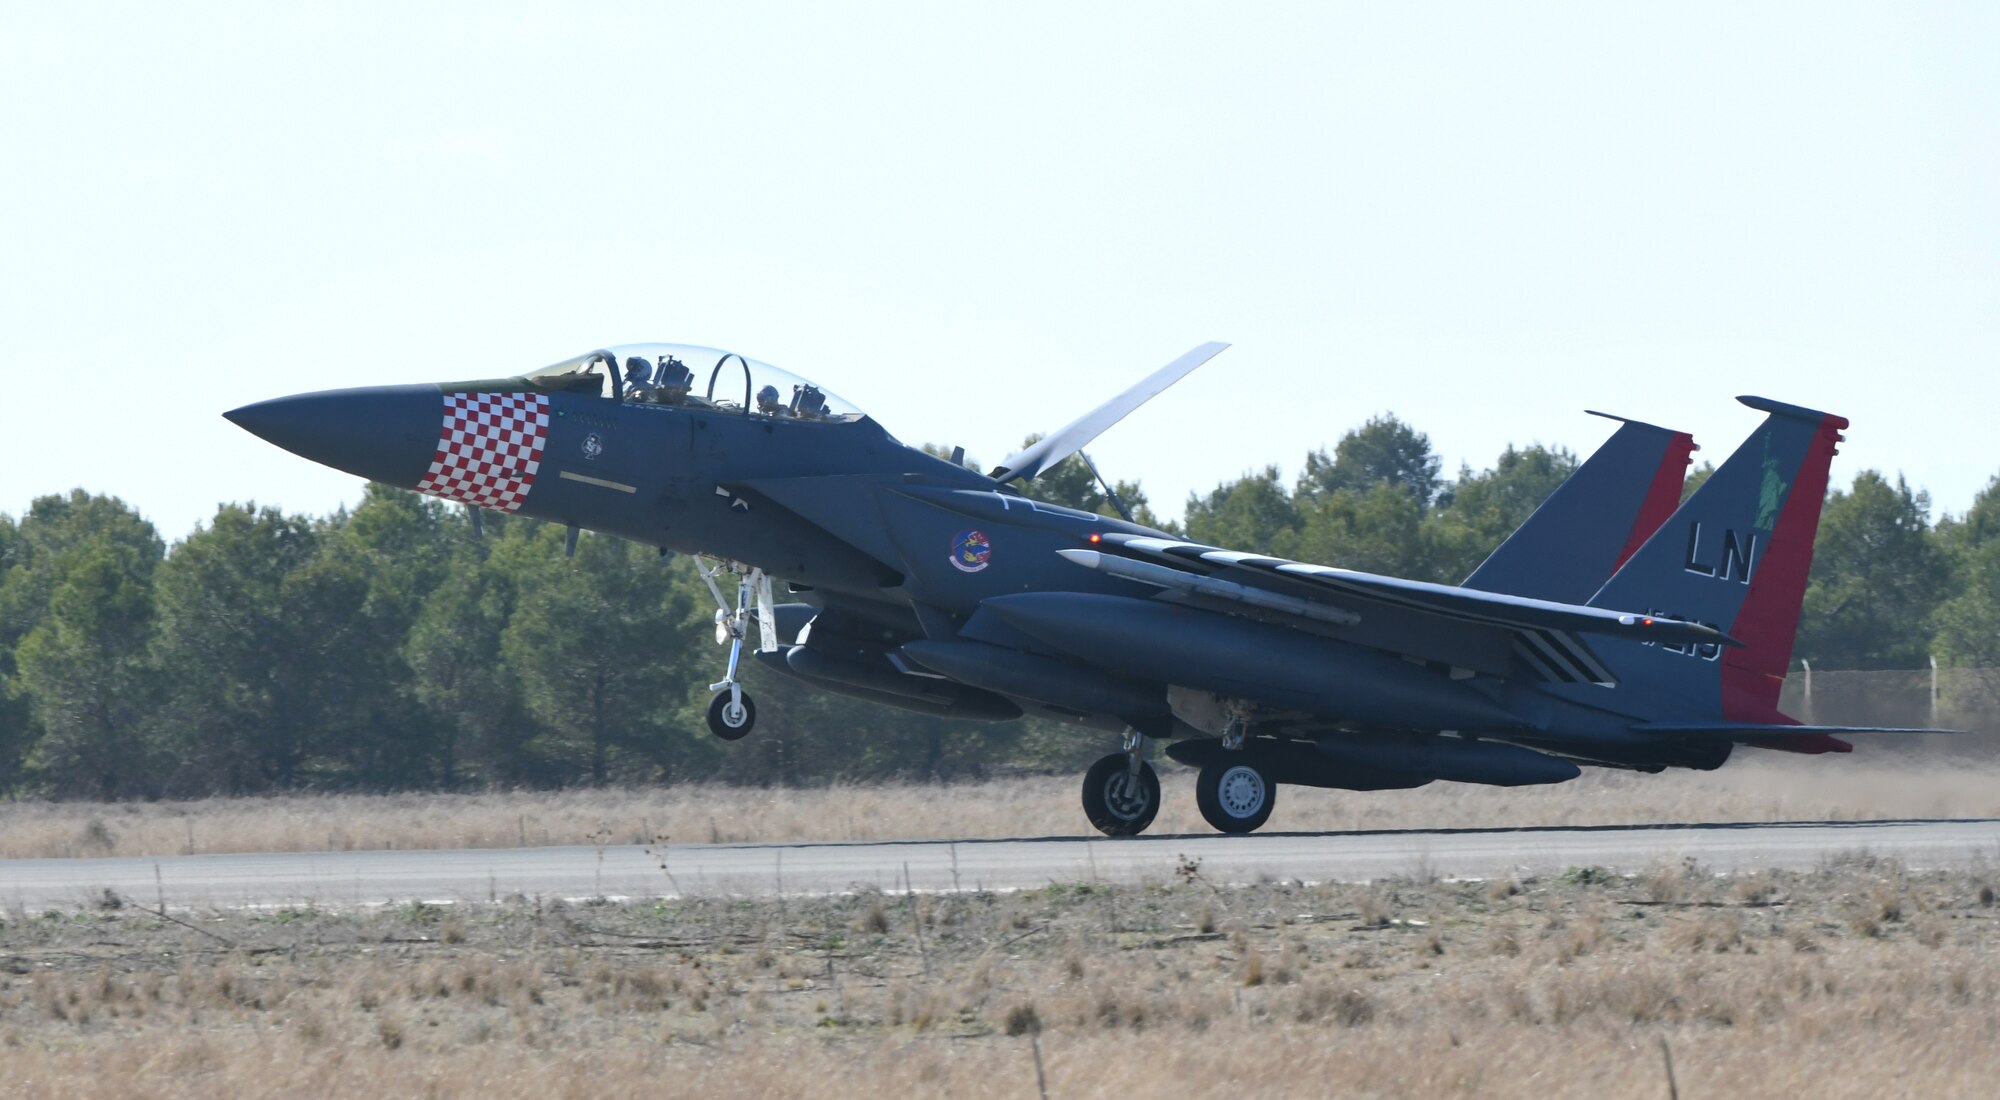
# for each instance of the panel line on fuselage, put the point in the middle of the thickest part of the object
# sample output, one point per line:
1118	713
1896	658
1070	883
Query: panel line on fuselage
601	483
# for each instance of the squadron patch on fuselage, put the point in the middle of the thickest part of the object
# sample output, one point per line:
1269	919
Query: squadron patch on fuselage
971	551
489	449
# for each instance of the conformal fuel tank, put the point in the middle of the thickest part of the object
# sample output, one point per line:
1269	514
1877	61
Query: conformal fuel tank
1238	657
1045	679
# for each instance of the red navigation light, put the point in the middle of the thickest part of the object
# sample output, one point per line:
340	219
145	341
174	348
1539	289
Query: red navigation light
1095	537
1648	621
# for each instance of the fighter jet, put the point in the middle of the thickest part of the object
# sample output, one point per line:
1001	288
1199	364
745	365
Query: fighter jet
1612	630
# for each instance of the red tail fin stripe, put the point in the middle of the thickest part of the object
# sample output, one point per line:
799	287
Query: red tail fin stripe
1662	497
1768	619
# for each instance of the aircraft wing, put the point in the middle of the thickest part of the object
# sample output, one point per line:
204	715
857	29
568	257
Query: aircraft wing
1077	434
1753	731
1783	736
1545	634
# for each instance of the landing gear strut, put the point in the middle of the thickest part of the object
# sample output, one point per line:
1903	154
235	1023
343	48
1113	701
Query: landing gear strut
1235	790
732	713
1121	792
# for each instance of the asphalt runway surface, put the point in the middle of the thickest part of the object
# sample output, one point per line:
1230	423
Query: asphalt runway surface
343	879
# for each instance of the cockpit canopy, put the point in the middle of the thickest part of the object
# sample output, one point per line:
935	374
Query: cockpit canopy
693	377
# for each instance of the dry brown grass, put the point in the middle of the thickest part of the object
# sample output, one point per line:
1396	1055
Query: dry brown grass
1772	994
1759	787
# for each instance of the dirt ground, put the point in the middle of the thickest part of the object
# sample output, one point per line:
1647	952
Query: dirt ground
1756	787
1860	979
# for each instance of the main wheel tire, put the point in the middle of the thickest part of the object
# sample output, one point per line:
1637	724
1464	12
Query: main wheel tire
1235	796
1114	802
728	721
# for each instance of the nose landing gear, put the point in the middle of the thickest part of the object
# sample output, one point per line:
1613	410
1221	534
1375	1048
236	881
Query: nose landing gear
732	713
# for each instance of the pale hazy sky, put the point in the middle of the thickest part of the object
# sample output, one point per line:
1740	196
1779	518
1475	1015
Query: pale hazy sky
979	221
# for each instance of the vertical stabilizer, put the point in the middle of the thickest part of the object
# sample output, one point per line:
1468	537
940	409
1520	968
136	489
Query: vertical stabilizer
1595	520
1735	556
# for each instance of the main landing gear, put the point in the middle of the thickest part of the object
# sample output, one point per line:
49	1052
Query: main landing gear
1234	795
1232	792
732	713
1121	792
1236	788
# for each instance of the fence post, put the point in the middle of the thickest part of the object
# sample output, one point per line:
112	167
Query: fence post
1934	690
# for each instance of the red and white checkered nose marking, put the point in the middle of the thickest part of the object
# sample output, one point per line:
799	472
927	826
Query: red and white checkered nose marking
490	449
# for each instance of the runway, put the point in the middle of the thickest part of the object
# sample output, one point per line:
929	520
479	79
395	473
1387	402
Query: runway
342	879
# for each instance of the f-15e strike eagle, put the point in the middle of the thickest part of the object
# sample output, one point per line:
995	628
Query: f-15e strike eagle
1617	628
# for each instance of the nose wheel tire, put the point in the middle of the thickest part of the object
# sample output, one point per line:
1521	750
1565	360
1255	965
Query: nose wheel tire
1117	802
730	719
1234	796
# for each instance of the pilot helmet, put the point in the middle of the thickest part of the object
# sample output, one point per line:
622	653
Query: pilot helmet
637	367
767	398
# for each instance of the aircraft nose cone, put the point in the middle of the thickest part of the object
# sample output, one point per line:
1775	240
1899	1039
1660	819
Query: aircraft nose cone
383	433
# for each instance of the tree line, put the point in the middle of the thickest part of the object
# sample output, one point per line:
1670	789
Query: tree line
388	648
